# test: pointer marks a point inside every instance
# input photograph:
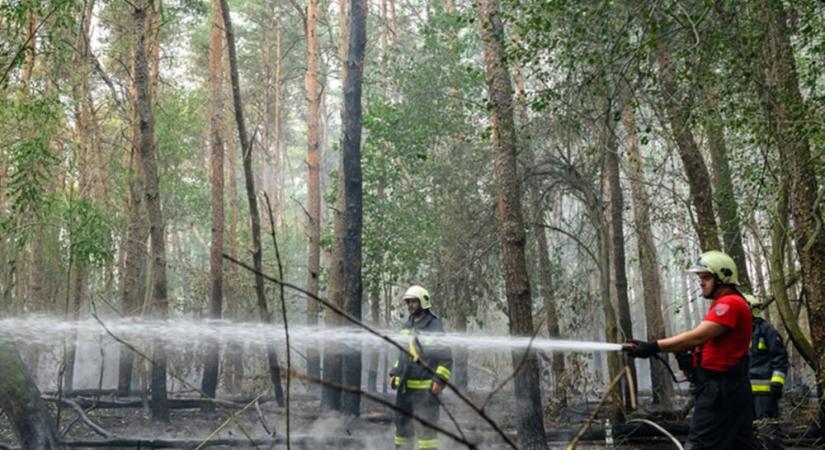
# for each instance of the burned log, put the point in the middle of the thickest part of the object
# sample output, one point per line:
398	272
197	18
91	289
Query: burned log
20	400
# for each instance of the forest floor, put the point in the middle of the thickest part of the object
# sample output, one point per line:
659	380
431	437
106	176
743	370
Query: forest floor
132	427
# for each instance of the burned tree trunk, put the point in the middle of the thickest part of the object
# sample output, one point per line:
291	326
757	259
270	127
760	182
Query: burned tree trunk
20	400
353	192
209	383
160	410
254	216
511	224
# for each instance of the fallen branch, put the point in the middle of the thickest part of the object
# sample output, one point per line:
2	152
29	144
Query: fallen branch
81	414
263	419
586	424
172	374
226	422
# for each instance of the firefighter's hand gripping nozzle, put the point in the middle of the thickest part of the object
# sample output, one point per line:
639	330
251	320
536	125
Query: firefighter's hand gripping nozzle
641	349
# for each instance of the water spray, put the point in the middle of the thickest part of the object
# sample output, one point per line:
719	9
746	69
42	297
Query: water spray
187	332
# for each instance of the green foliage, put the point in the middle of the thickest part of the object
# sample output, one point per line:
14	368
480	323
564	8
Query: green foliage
28	128
89	232
180	132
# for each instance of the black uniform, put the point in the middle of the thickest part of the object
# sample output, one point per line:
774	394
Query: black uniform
414	382
768	367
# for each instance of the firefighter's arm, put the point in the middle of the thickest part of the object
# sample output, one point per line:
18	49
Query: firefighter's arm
779	357
443	359
703	332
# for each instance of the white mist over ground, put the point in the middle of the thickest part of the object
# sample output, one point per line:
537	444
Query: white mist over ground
46	330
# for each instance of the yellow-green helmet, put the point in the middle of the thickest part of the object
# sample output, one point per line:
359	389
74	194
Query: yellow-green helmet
719	264
416	291
756	305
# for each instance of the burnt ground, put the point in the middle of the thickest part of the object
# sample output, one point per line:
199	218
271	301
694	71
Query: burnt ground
130	426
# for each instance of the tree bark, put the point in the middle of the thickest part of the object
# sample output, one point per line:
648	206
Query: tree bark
722	183
159	406
511	225
661	385
788	118
254	216
778	281
617	253
542	248
332	359
20	400
209	383
234	350
678	114
353	193
313	180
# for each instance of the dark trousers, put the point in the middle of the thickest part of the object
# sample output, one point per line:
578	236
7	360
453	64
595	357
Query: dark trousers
423	404
723	413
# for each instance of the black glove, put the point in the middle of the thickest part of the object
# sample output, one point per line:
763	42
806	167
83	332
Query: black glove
642	349
776	390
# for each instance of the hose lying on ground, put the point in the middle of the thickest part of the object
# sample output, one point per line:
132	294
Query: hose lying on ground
662	430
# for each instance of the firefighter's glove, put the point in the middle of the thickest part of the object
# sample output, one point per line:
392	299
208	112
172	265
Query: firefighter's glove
642	349
776	390
394	381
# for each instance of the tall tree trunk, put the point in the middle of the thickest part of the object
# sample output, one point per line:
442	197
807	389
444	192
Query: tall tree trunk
353	193
788	118
511	225
540	235
617	253
313	180
278	155
254	216
678	114
661	385
234	350
209	383
159	405
20	401
722	183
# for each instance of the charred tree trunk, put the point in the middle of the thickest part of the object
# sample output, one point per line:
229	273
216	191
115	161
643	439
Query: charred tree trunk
160	409
254	216
313	180
333	362
353	193
20	400
511	224
209	383
662	387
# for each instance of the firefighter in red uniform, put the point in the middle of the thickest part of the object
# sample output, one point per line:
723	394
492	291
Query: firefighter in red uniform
722	401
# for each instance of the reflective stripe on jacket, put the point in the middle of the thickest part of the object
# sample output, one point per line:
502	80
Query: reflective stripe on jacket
768	357
410	372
